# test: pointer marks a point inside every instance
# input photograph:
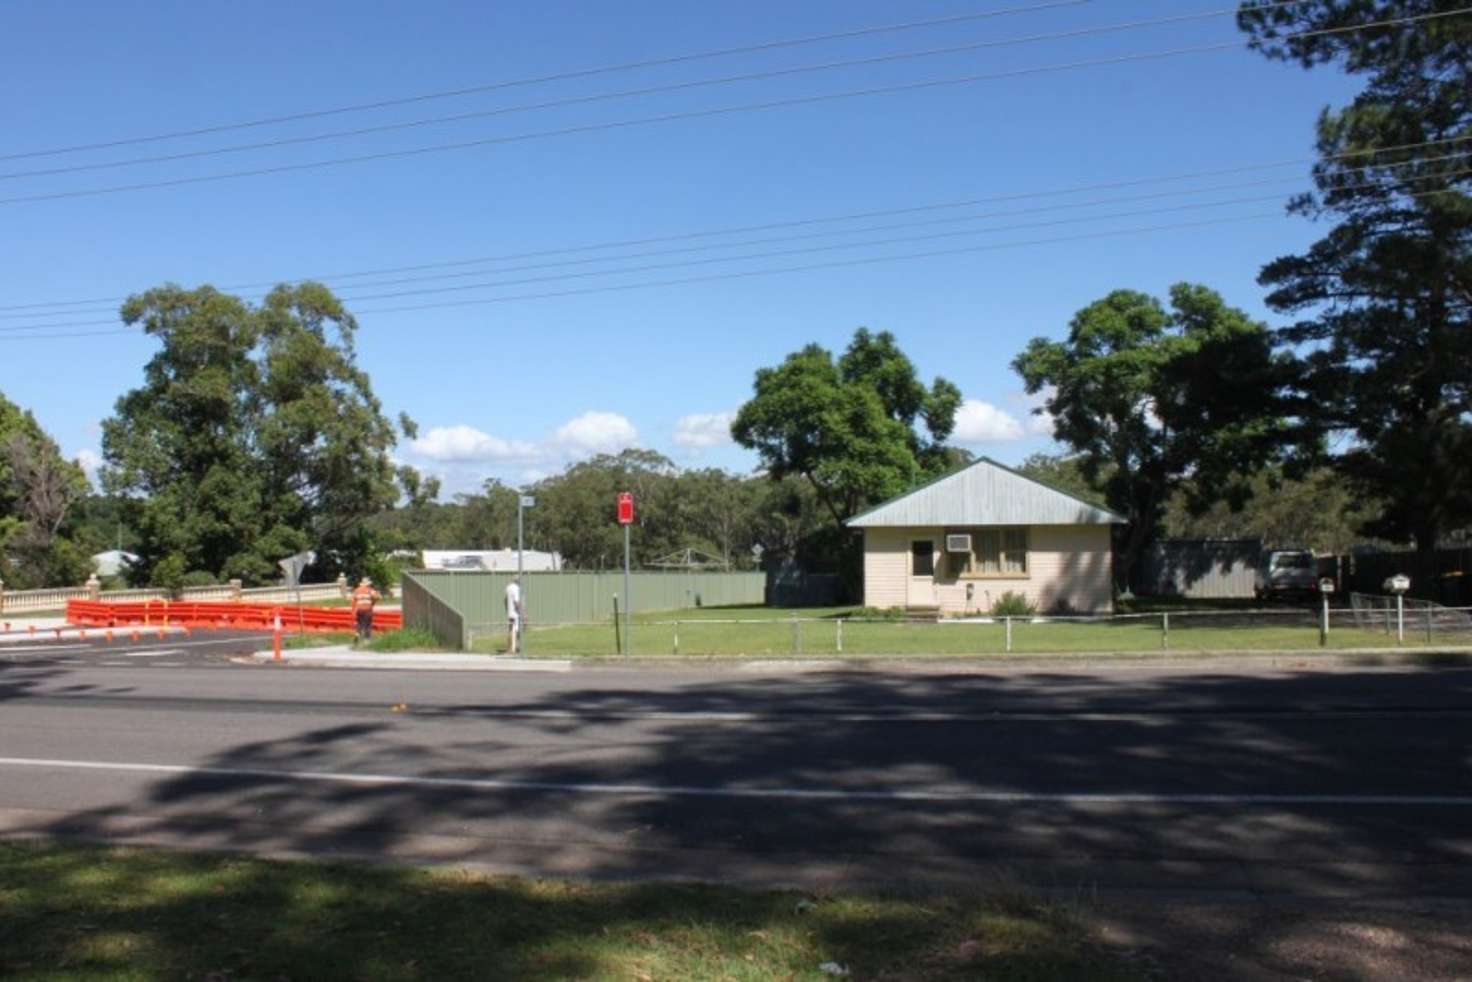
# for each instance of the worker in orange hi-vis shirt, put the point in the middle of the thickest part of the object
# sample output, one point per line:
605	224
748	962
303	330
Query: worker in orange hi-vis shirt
364	597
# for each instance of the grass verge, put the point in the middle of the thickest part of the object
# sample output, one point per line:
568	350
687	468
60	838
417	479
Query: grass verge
84	912
824	633
406	639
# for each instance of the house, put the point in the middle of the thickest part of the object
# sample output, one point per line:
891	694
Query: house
958	543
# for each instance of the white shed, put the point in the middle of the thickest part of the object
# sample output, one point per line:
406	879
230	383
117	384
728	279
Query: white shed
958	543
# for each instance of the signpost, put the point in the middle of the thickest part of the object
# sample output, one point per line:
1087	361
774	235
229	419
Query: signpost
626	519
523	502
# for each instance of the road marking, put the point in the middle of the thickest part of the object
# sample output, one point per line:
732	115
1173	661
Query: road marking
150	653
816	794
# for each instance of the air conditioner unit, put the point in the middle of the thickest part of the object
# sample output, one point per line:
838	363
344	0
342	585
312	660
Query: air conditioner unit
958	543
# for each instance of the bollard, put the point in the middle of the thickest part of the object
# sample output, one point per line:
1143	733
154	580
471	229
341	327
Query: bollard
276	638
1008	621
840	635
796	636
677	637
109	636
1164	630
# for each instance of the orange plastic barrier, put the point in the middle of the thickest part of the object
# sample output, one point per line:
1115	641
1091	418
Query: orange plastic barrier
239	616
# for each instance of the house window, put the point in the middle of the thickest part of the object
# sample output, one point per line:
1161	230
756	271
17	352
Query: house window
998	552
922	558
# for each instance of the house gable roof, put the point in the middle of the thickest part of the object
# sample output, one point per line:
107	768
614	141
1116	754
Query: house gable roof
984	492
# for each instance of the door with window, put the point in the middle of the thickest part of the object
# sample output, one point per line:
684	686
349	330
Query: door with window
921	592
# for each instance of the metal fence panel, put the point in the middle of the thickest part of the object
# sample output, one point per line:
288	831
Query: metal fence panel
580	597
1200	569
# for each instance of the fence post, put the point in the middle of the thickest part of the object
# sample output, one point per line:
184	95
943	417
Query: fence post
677	637
1008	620
618	644
796	635
1164	630
1428	625
840	635
1324	623
1400	618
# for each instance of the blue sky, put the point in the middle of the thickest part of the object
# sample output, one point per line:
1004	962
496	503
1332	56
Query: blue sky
517	388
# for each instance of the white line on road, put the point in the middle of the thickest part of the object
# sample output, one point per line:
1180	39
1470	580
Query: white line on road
819	794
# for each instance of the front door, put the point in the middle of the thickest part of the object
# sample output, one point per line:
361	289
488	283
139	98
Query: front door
921	592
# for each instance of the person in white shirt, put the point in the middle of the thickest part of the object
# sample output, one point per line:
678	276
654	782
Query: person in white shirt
513	616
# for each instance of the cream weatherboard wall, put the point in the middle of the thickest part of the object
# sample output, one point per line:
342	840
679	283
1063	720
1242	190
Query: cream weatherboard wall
1068	566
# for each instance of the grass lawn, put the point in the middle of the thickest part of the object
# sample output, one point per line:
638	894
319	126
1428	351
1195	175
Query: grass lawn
92	913
770	631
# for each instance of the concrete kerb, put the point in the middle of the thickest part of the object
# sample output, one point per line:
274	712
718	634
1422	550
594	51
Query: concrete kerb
342	656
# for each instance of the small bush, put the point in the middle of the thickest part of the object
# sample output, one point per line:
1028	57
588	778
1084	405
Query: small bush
1062	608
879	613
1012	604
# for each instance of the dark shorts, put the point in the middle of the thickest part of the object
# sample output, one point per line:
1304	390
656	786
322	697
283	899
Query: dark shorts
365	621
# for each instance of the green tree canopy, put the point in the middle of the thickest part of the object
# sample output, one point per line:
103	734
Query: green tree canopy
1149	397
38	488
1384	298
859	429
254	436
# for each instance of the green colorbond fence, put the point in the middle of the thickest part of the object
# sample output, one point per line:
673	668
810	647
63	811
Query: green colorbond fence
476	598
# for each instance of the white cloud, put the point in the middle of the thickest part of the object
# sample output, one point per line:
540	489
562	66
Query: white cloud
465	448
596	432
89	460
466	444
982	422
1040	423
699	431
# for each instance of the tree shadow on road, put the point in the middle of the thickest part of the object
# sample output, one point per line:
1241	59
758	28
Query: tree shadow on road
618	782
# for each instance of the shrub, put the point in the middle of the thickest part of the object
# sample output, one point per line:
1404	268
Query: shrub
879	613
1012	604
198	577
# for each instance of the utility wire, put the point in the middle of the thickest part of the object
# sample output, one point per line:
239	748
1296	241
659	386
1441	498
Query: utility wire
30	310
767	255
710	112
557	77
991	247
633	93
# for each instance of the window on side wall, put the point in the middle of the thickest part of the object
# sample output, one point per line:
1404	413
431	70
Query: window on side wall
998	552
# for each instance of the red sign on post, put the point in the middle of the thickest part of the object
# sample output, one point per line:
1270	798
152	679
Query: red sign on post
625	508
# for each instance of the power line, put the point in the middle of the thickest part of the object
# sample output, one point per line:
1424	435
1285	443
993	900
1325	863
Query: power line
763	255
991	247
556	77
30	310
702	113
633	93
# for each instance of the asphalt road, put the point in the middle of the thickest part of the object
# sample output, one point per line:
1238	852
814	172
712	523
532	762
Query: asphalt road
1341	783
